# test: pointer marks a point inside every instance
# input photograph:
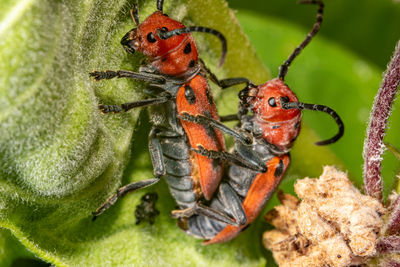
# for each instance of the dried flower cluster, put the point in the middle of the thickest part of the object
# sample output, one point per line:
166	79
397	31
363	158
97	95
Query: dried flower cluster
333	224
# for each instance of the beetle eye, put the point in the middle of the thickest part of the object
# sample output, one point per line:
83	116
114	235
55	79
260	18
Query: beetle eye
151	38
272	102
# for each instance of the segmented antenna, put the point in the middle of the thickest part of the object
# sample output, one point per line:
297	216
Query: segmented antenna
167	34
283	69
160	4
316	107
135	14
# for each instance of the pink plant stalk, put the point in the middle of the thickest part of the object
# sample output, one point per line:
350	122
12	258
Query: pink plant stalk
390	244
390	263
373	146
393	227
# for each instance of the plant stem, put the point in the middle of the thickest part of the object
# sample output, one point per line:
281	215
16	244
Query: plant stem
394	220
390	244
373	145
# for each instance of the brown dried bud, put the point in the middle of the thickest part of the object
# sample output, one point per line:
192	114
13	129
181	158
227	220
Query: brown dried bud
333	225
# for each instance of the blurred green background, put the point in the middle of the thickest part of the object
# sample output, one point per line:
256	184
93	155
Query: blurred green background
369	28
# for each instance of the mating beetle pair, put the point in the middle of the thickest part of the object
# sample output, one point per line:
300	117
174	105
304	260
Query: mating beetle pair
186	143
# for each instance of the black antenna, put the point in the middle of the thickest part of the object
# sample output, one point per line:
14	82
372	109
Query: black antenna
135	14
283	69
316	107
160	4
167	34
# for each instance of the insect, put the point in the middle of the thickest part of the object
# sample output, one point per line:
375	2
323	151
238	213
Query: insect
146	210
177	84
273	126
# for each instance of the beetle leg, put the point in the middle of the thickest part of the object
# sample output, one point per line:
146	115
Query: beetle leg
156	155
122	192
200	209
145	77
231	201
224	83
207	122
127	106
159	170
235	159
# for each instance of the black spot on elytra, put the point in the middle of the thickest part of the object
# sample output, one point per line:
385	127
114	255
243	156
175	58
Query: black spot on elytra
275	127
163	59
209	97
279	169
190	95
187	49
297	125
192	63
293	139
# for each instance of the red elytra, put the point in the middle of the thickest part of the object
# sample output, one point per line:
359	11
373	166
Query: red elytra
209	171
260	191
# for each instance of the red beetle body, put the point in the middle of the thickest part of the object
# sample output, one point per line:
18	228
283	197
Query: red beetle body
177	57
178	86
274	131
279	128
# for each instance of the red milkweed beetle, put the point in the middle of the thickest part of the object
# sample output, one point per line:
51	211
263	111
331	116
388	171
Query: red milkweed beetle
177	83
273	127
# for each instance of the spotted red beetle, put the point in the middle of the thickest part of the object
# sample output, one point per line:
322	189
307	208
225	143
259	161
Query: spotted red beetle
177	82
273	127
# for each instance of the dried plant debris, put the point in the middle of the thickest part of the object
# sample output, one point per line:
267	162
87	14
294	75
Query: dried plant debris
332	225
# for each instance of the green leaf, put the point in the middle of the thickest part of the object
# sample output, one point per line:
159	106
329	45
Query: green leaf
11	249
60	158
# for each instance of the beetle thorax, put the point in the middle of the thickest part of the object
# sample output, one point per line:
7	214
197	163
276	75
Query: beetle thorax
279	126
174	56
